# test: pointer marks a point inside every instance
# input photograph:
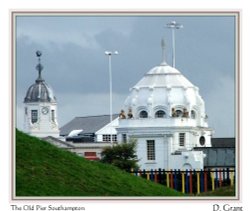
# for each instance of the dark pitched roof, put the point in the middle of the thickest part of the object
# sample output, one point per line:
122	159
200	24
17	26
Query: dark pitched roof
57	142
222	153
223	142
218	156
89	124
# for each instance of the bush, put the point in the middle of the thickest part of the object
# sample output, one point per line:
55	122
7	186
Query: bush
121	155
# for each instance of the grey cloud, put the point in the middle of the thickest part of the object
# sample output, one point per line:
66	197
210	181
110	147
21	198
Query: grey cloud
75	64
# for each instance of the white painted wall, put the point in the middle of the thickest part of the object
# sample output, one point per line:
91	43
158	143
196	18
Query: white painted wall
107	129
164	154
44	126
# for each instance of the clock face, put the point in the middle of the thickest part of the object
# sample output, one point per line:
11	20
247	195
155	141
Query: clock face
45	110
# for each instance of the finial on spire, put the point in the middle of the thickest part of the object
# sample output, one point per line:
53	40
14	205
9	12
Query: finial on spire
38	53
39	66
163	46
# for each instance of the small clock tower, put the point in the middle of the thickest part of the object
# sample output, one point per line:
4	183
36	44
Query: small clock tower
40	107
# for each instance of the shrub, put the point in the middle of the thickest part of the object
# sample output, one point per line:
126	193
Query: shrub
121	155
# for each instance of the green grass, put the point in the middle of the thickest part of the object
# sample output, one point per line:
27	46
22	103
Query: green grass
224	191
45	170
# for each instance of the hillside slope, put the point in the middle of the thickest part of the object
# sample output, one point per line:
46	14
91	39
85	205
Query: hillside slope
44	170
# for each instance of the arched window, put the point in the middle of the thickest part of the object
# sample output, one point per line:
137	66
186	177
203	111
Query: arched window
179	113
202	140
160	114
143	114
193	114
187	166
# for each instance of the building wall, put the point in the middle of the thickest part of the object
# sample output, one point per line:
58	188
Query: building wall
161	151
187	160
44	125
168	153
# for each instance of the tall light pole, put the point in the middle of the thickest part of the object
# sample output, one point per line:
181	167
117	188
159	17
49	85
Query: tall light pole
173	25
109	54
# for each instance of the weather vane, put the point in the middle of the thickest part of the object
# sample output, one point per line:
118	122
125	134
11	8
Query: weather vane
38	53
163	46
39	66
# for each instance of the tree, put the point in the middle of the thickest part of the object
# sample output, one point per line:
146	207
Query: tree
121	155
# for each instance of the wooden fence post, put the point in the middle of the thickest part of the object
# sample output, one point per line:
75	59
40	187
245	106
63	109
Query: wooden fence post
183	182
175	179
220	178
155	176
152	175
205	180
231	178
223	177
228	176
159	176
148	175
198	182
191	182
212	180
216	178
186	181
172	178
167	179
201	180
144	173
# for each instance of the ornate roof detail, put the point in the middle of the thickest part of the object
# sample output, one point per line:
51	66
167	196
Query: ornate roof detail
39	91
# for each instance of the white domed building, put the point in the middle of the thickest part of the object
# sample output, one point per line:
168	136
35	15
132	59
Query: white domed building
166	115
40	107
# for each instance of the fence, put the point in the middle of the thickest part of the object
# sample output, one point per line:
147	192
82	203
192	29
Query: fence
190	181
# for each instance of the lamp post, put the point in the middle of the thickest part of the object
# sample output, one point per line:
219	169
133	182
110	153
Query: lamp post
173	25
109	54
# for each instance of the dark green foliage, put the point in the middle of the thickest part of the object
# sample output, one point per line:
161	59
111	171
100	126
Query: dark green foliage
45	170
121	155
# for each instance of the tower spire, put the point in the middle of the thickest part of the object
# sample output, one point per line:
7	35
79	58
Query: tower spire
163	46
39	66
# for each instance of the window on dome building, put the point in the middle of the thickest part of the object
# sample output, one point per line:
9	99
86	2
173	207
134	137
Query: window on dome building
179	113
26	110
181	139
143	114
202	140
124	138
53	115
34	116
151	149
193	114
160	114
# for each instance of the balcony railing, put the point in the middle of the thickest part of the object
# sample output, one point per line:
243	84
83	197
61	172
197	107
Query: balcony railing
158	122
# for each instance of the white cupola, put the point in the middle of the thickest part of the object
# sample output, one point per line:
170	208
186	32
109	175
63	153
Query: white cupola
165	92
40	107
165	113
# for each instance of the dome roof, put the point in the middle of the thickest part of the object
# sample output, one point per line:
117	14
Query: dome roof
162	91
163	76
39	91
163	86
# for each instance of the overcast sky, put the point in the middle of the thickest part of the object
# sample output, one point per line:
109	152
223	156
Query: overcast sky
77	69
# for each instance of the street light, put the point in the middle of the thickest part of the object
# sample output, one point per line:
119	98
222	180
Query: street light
109	54
173	25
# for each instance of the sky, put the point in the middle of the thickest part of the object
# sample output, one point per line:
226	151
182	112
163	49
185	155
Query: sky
76	67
